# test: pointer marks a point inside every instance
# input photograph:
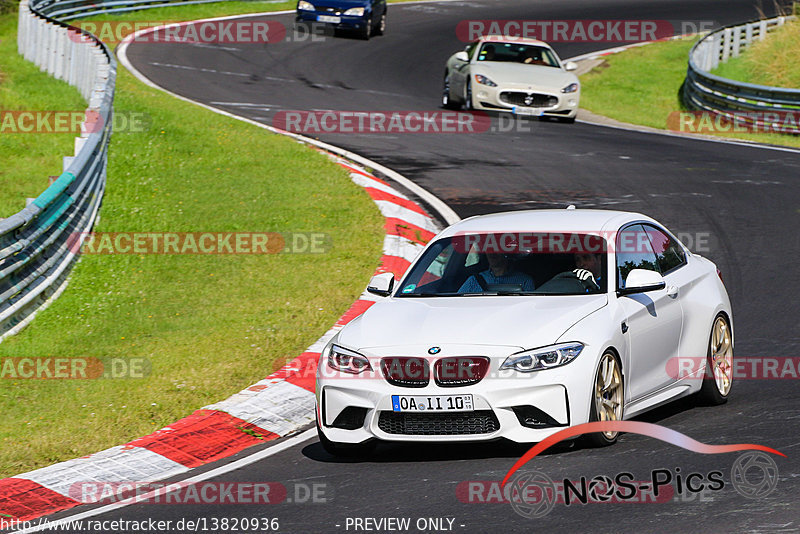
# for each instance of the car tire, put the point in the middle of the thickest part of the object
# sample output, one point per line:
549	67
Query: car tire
447	102
608	396
367	31
468	98
380	29
718	377
345	450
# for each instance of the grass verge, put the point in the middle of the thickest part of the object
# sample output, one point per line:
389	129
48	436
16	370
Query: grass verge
642	86
208	326
27	158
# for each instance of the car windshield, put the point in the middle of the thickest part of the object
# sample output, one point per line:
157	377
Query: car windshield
509	264
518	53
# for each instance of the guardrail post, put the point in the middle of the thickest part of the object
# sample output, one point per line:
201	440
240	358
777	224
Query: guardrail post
726	43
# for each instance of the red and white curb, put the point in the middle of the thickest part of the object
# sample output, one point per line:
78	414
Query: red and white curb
278	405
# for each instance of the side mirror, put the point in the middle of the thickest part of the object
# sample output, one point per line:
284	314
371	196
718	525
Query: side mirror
642	281
570	66
381	284
462	56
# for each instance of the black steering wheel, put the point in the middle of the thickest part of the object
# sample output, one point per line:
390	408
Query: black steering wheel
589	284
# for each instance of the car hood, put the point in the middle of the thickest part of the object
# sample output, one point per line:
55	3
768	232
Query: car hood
519	321
519	74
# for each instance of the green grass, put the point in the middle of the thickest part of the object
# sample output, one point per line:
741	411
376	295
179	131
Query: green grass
208	325
641	86
770	62
28	158
198	11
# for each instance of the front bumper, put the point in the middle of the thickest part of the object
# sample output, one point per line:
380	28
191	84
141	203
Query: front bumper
346	22
542	102
517	406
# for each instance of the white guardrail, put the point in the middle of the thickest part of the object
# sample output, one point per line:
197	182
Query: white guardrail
754	104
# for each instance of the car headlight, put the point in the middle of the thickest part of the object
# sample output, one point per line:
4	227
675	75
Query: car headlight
355	12
543	358
347	361
302	5
480	78
571	88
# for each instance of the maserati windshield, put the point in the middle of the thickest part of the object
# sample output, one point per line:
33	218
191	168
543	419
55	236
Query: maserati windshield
518	53
509	264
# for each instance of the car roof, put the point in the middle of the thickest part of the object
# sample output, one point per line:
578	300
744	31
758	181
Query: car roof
547	220
512	40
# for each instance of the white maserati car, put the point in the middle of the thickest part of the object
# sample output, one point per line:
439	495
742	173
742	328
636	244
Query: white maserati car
516	325
523	76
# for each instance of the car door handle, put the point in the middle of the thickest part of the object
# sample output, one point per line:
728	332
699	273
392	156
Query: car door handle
672	291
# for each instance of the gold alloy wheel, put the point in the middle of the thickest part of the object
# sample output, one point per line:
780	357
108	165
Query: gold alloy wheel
608	392
721	351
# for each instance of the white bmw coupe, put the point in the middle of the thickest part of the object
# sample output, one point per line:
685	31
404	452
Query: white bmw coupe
516	325
523	76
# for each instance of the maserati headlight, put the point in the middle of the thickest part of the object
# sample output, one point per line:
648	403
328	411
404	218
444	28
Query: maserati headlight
571	88
347	361
302	5
543	358
480	78
355	12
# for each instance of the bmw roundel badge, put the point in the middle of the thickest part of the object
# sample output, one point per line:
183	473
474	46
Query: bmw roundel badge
434	350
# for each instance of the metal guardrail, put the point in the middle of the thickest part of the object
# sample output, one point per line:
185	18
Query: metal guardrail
703	91
37	245
73	9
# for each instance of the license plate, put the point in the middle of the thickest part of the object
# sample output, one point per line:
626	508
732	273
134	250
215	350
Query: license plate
530	112
432	403
329	18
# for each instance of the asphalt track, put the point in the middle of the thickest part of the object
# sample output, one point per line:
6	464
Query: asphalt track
745	201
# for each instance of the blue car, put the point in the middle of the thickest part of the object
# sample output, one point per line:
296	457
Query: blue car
366	17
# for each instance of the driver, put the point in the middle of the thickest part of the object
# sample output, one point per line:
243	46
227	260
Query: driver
589	267
499	272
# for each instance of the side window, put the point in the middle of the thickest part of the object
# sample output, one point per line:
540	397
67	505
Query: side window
634	251
669	253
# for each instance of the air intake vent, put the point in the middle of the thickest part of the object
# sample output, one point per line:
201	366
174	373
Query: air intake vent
351	418
438	424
